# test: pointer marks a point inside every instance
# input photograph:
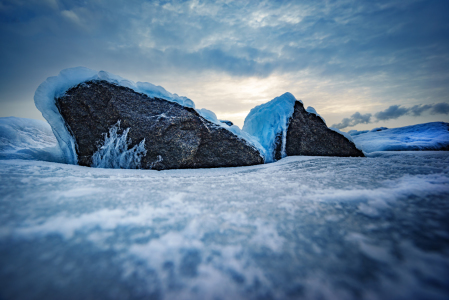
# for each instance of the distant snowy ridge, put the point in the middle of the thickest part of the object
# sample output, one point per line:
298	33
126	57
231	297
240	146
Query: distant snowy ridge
56	86
427	136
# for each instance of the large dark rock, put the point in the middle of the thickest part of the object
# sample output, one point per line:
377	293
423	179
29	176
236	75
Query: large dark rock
175	136
307	134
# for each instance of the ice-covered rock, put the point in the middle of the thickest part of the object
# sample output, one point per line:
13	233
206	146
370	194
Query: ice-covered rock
174	135
285	128
56	86
29	139
268	122
427	136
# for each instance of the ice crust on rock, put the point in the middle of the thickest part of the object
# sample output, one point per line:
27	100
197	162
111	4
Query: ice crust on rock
114	152
56	86
30	139
268	120
427	136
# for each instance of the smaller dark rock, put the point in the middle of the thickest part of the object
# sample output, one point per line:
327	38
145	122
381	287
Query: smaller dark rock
229	123
307	134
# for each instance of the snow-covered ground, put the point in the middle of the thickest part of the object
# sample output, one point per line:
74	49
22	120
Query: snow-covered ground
300	228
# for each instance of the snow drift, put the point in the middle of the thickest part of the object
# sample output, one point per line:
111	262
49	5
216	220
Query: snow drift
29	139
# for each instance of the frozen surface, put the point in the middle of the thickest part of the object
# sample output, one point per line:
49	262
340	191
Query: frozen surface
56	86
28	139
300	228
428	136
267	120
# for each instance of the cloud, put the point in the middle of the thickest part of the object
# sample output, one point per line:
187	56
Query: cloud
393	112
440	108
355	119
417	110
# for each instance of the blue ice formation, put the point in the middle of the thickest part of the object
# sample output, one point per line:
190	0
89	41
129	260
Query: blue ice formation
268	120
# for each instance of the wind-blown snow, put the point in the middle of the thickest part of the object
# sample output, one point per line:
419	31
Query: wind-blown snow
428	136
114	152
300	228
56	86
268	120
28	139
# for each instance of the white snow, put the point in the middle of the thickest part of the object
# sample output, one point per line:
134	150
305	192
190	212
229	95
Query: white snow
114	152
428	136
267	120
299	228
56	86
28	139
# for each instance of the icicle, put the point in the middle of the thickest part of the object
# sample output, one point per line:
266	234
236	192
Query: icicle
284	138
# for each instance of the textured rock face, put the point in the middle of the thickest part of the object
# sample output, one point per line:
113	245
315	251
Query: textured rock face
175	136
307	134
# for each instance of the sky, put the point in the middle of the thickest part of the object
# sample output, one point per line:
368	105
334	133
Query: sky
360	64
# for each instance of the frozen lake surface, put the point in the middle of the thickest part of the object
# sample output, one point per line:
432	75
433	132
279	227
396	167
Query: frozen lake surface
300	228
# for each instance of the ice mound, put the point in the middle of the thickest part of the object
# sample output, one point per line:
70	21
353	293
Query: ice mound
428	136
30	139
56	86
268	120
